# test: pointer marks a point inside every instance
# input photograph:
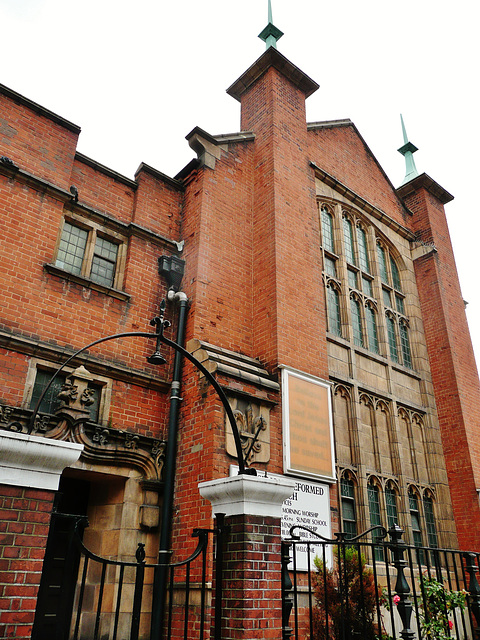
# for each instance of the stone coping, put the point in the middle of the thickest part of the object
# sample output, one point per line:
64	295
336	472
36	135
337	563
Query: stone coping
248	495
34	461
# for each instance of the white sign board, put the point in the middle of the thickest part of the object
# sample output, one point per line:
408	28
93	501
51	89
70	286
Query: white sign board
308	507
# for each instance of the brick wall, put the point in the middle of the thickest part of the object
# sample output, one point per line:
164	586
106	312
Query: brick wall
24	523
453	367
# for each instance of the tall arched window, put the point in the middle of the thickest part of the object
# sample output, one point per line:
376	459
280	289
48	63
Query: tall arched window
363	260
430	521
415	520
347	503
405	344
395	274
348	240
356	322
333	309
327	230
392	337
371	322
391	505
375	514
382	264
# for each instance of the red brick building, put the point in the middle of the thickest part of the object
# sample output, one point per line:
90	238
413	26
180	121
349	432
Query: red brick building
312	284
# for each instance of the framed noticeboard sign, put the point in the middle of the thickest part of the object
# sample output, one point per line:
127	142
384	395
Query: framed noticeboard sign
307	426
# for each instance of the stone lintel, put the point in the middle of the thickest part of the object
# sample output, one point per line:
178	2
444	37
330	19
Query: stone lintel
247	495
33	461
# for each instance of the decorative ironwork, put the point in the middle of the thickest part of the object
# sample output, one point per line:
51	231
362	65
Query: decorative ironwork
126	611
394	586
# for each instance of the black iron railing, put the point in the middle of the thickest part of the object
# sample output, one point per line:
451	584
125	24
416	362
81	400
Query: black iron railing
376	587
114	598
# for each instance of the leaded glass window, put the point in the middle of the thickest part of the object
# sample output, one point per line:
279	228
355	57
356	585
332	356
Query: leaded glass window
391	506
86	253
356	322
333	307
400	305
375	517
104	262
72	248
367	286
329	266
430	521
387	298
415	520
405	344
362	249
352	279
382	263
371	321
348	239
327	230
347	495
395	275
392	338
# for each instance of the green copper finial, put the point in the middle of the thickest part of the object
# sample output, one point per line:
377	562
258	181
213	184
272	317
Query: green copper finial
271	33
407	150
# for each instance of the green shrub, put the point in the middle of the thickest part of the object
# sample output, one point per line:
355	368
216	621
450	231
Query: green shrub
345	598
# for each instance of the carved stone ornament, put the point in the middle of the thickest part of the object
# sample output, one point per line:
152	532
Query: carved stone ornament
72	423
253	422
76	396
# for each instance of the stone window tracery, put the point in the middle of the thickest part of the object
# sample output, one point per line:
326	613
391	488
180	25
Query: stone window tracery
368	291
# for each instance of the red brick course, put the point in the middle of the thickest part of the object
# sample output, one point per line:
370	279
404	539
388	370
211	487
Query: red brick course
251	578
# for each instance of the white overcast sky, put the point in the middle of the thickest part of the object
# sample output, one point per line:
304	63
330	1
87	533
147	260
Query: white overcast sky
138	76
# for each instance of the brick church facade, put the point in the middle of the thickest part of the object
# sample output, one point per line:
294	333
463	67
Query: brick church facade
301	262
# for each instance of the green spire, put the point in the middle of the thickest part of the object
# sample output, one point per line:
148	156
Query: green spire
271	33
407	150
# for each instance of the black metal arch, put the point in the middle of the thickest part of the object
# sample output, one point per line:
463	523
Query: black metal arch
159	323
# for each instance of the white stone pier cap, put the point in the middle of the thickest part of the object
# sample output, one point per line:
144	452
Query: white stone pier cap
34	461
248	495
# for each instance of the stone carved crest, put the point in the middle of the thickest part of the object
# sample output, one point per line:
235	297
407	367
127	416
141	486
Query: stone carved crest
253	422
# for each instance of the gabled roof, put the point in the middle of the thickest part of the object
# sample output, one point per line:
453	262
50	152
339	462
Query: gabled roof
355	165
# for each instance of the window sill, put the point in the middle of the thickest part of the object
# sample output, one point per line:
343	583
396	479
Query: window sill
374	356
86	282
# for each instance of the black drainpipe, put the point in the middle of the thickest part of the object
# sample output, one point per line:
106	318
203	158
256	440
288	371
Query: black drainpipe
169	469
